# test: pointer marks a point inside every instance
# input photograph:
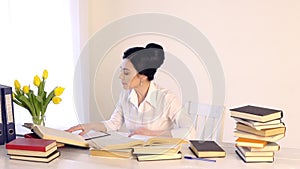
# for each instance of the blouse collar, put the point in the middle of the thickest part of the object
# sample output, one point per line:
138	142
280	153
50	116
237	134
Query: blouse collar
150	97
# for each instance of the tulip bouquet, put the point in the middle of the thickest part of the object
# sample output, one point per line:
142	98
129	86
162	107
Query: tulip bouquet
36	104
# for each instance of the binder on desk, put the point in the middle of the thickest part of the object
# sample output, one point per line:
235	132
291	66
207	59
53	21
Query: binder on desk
8	113
2	130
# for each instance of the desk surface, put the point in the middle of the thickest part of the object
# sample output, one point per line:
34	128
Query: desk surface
77	158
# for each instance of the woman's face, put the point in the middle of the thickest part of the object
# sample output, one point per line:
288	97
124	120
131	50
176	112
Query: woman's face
128	75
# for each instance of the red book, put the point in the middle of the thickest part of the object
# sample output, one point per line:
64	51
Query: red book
31	144
31	135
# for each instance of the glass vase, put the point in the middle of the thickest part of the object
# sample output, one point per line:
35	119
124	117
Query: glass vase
39	120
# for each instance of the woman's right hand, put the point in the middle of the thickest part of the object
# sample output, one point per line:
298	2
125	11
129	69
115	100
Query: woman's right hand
85	128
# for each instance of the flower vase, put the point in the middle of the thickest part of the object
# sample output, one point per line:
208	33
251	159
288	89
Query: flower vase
39	120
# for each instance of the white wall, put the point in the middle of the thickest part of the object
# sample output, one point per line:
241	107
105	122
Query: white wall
34	38
256	42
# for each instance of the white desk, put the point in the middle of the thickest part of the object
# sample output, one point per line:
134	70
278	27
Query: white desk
75	158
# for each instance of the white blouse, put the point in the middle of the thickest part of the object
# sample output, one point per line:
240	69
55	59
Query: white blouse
160	110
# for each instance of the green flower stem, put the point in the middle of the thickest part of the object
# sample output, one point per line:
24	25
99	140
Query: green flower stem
47	101
25	102
41	88
20	104
36	106
31	99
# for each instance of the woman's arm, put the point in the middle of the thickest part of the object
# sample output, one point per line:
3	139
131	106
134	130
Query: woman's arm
114	123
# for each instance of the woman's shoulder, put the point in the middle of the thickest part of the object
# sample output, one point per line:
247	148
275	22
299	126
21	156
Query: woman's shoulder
167	93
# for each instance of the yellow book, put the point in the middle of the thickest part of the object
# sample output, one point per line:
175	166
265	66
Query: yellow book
158	149
31	153
248	153
271	146
47	159
262	132
254	159
246	142
256	137
58	135
123	153
115	141
154	157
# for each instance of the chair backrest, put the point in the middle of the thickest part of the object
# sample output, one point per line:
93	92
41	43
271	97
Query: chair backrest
208	120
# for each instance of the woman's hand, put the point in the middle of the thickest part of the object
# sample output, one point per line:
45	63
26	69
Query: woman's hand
147	132
85	128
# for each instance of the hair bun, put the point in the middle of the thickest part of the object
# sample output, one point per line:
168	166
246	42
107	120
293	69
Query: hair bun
154	45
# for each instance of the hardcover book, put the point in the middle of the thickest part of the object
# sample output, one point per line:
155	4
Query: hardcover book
255	113
33	135
246	142
59	135
158	149
271	146
123	153
47	159
259	125
256	159
31	153
248	153
115	141
206	148
263	132
31	144
154	157
256	137
255	123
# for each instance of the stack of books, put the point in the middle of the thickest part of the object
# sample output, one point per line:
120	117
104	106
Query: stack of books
258	129
118	146
32	149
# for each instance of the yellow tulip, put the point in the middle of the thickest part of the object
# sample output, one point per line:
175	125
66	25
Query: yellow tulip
36	81
56	100
17	85
45	74
58	91
26	89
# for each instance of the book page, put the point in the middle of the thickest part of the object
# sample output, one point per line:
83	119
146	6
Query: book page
137	137
59	135
114	141
94	134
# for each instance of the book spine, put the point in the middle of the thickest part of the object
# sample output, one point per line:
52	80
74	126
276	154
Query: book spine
8	113
31	148
2	129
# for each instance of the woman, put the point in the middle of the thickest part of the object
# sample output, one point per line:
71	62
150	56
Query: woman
144	107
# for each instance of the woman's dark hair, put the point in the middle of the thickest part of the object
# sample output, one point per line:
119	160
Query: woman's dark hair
146	60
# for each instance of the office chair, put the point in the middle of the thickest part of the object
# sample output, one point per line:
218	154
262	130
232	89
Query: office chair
207	119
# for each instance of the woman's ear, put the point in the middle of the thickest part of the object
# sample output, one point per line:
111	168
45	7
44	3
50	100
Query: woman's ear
142	77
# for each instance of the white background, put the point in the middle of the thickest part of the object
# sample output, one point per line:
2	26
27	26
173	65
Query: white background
257	43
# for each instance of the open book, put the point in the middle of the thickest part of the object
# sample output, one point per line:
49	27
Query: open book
117	141
58	135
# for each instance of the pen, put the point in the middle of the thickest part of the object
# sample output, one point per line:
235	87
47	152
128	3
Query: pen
203	159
